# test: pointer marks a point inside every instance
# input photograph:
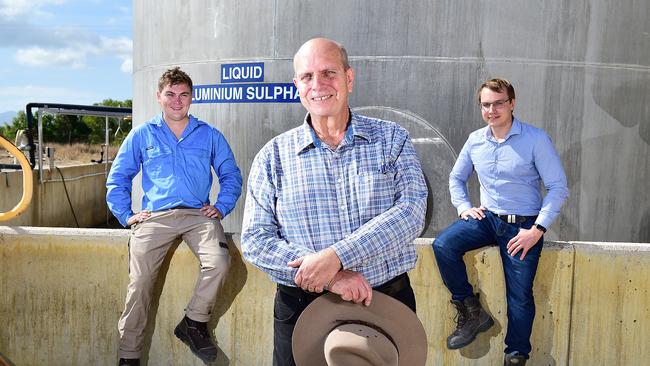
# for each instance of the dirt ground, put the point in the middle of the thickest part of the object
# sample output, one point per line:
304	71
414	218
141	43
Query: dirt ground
67	154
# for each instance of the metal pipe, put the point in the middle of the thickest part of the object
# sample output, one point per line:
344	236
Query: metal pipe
106	163
75	178
28	181
106	145
40	147
73	109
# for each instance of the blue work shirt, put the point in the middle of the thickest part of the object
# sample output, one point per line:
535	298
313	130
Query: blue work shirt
175	172
511	173
366	199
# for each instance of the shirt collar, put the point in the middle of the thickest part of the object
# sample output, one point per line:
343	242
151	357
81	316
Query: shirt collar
515	129
308	139
159	121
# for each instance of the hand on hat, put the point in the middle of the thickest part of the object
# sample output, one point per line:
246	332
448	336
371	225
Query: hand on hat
352	286
332	331
316	270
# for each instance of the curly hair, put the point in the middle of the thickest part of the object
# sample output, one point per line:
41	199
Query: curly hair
173	77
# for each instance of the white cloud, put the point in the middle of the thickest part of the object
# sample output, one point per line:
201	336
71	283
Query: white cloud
49	35
77	51
121	46
17	8
37	56
127	66
59	46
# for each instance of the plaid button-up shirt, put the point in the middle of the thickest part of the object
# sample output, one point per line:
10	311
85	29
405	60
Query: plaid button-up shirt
366	199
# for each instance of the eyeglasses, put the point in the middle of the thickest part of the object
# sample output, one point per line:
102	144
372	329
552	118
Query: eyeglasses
497	105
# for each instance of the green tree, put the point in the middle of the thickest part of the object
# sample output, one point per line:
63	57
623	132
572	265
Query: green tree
19	122
70	129
65	129
118	128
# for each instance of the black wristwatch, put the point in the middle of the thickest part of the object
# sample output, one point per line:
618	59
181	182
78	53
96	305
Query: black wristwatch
540	228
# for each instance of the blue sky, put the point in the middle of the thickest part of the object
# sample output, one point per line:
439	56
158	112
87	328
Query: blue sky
64	51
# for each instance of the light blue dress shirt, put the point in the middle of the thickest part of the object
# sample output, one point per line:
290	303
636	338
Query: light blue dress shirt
511	173
366	199
175	172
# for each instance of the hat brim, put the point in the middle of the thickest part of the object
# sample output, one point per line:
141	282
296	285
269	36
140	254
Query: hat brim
327	312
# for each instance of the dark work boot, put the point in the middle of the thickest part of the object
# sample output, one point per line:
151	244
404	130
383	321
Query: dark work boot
470	320
514	359
197	337
128	362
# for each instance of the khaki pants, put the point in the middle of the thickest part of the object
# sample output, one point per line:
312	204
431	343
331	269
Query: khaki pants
148	245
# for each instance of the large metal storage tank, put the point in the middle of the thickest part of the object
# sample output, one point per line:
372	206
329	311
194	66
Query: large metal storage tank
581	70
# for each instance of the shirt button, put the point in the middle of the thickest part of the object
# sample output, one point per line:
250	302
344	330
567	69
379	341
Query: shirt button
339	180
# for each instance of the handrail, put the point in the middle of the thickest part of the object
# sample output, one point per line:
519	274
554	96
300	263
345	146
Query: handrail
28	186
68	109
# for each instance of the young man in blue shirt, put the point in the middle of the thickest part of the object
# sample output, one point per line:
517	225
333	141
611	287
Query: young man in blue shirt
512	160
334	204
176	153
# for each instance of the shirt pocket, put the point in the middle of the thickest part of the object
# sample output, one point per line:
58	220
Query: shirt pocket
157	161
197	161
375	193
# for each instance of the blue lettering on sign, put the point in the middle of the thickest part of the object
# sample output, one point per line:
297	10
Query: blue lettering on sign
246	93
245	72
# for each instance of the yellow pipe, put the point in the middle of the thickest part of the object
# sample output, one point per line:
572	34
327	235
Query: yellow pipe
27	181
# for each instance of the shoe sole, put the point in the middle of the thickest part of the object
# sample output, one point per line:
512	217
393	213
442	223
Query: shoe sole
482	328
187	342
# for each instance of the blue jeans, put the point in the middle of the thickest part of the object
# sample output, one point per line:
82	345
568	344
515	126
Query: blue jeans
463	236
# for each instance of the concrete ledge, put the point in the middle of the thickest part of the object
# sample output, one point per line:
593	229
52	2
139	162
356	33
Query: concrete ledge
611	304
552	297
62	291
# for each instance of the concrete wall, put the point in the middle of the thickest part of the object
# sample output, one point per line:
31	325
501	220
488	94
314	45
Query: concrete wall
62	291
86	185
581	70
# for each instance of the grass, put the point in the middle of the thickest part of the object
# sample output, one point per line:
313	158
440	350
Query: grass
68	154
79	153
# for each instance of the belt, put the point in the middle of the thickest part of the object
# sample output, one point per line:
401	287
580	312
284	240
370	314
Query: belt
514	219
181	207
389	288
395	285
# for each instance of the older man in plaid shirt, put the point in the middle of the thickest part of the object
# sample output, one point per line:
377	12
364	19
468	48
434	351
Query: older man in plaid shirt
334	204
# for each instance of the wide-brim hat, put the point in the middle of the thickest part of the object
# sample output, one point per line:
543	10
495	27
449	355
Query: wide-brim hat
384	313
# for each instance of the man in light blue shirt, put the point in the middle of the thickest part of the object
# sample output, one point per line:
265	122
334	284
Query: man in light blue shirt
512	160
334	204
176	153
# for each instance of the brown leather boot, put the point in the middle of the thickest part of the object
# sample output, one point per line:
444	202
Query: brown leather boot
470	320
514	360
129	362
197	337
